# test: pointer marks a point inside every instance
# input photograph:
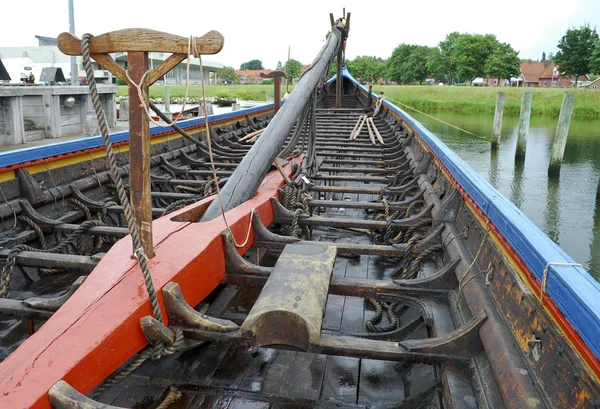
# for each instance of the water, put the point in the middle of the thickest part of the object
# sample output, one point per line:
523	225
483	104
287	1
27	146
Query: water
564	208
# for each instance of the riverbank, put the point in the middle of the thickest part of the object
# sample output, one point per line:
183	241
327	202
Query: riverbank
253	92
546	102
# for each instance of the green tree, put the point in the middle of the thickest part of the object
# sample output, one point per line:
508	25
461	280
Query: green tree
366	68
279	65
543	56
398	68
435	65
417	63
228	74
575	51
252	65
292	69
503	63
471	52
447	57
595	59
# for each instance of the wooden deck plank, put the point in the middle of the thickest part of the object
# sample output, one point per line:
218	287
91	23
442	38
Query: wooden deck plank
380	382
333	312
340	381
232	368
352	318
275	379
305	379
258	369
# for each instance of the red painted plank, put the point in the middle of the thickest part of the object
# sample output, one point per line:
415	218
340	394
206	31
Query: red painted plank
98	329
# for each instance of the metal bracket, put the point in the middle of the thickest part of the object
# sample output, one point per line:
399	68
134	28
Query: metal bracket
181	313
236	264
463	341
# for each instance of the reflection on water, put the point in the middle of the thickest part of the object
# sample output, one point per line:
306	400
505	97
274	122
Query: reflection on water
564	208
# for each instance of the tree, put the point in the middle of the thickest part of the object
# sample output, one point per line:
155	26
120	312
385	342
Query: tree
543	56
228	74
252	65
292	69
366	68
398	64
279	65
447	57
503	63
575	51
417	63
471	51
595	59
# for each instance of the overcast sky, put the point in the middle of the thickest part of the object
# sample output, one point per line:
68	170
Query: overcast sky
255	31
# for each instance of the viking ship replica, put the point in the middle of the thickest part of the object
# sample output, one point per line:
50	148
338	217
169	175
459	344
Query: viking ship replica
330	252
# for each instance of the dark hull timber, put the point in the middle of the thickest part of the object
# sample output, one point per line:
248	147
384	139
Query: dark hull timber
353	315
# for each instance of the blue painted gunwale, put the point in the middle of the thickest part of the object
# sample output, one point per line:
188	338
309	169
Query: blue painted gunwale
32	154
574	291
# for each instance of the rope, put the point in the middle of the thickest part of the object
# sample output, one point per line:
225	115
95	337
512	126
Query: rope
64	246
37	229
439	120
114	173
390	308
462	283
11	208
212	161
173	396
545	275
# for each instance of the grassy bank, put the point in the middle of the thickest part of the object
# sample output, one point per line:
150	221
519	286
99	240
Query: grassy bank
546	102
246	92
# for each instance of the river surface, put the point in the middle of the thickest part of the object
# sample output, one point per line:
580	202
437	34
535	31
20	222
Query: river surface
565	208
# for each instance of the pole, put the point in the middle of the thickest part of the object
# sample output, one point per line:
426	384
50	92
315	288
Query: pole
248	176
523	125
497	129
287	82
74	70
338	78
562	131
139	152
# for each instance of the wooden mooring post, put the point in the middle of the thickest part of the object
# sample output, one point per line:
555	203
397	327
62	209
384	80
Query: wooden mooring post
277	76
524	119
562	131
137	43
497	129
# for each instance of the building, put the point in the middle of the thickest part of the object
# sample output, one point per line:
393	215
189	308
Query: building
47	54
251	76
594	84
545	75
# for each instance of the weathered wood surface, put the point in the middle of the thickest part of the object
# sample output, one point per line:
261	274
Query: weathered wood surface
141	39
255	165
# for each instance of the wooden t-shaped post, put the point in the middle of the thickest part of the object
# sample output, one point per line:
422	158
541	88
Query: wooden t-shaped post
277	76
138	43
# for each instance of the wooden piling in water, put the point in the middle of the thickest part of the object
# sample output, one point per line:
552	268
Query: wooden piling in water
523	125
497	129
562	131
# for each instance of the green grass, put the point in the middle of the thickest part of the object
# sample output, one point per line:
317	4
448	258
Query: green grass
254	92
546	102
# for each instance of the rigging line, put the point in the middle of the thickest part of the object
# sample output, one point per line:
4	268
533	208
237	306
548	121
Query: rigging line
11	208
142	96
212	162
439	120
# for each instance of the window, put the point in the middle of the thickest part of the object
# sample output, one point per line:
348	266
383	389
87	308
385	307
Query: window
594	87
545	83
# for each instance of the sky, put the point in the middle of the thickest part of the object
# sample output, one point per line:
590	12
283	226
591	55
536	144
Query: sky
264	30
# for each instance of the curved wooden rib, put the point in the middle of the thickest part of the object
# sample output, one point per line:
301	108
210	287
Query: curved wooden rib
141	39
53	304
99	325
181	313
64	396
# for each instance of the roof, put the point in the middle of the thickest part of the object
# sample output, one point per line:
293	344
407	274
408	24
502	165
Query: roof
44	41
251	75
595	82
548	71
532	70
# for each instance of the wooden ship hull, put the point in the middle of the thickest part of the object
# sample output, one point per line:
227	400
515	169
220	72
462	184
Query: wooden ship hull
372	268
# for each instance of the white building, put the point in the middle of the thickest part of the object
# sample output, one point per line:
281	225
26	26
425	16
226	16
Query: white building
47	54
